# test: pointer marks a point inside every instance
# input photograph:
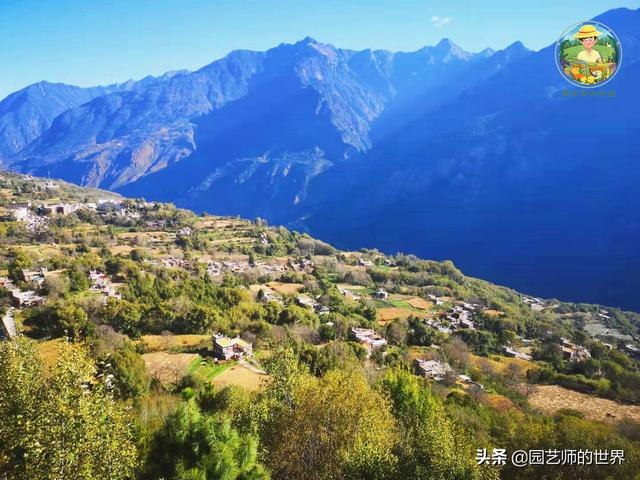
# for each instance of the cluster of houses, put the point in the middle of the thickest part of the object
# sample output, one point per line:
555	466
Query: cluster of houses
216	268
48	185
301	265
21	212
37	276
173	262
457	318
101	283
36	218
432	369
225	348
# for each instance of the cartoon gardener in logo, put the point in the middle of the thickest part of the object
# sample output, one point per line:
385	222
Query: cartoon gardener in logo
588	54
588	37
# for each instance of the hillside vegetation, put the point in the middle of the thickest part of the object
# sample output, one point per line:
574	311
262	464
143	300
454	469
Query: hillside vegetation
345	364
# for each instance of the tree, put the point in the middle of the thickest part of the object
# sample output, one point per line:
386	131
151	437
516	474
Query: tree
122	315
419	332
431	447
60	424
55	286
193	445
336	427
397	332
62	319
78	280
129	372
18	262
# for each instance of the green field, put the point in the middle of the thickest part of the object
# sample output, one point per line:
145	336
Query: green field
207	370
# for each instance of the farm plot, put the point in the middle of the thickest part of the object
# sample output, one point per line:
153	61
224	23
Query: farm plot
551	398
285	288
154	343
168	367
240	376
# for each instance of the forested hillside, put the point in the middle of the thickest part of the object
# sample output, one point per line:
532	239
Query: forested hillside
145	341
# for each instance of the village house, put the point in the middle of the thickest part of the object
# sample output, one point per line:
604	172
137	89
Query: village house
460	318
25	298
35	276
369	338
632	350
438	325
49	185
109	204
438	301
20	214
348	293
573	352
101	283
18	205
536	304
60	208
269	296
173	262
304	264
432	369
270	268
306	301
510	352
225	348
214	268
381	294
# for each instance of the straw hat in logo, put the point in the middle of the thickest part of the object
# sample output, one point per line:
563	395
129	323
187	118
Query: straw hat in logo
587	31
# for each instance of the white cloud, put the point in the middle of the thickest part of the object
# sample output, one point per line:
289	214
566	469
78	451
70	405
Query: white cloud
440	21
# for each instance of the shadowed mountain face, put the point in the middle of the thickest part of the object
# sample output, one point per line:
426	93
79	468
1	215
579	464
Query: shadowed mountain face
479	158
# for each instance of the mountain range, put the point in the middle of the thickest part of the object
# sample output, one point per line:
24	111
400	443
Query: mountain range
481	158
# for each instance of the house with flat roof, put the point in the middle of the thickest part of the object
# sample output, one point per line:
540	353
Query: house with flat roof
510	352
371	339
432	369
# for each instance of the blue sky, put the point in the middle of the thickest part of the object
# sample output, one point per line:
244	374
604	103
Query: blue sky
92	42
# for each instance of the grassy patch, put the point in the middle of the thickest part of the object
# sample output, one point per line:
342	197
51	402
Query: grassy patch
206	369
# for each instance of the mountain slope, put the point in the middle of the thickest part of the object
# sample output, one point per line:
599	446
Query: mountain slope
27	113
512	179
441	152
